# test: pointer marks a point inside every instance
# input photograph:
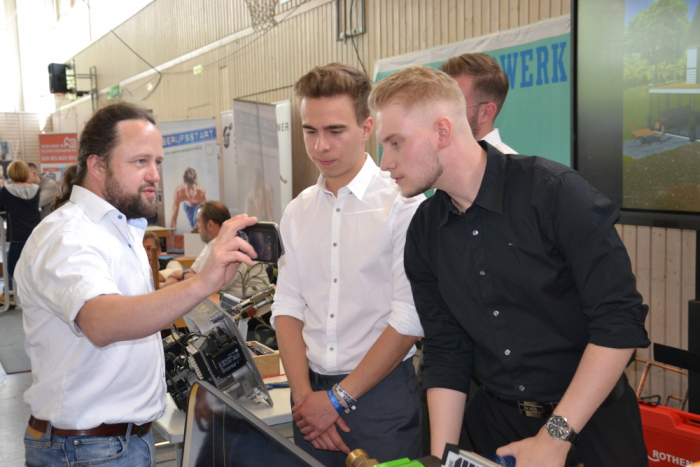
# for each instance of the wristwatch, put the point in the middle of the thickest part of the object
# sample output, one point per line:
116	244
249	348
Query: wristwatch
558	428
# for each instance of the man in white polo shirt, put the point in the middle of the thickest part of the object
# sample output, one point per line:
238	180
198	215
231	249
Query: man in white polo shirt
90	314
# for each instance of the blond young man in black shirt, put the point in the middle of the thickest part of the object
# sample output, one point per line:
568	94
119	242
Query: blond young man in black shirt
520	278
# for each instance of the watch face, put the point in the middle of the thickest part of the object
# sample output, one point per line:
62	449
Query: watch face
558	427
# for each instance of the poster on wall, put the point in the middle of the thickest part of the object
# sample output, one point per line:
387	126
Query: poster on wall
190	170
536	117
6	150
256	149
230	165
57	151
283	110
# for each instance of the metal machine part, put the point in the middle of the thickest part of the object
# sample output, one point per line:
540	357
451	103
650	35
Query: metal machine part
215	351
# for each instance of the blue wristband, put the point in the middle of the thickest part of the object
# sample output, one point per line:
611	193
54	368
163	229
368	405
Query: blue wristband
336	403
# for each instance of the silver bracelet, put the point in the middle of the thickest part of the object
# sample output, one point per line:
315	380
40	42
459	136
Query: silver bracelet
347	398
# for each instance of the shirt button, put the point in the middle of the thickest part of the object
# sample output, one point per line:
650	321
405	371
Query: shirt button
119	216
332	315
522	388
496	312
482	273
129	245
507	352
335	244
475	232
335	280
331	349
337	209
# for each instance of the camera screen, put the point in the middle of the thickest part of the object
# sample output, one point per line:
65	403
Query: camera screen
262	242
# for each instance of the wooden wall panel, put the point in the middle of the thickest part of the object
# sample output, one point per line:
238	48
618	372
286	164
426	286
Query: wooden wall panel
264	66
23	130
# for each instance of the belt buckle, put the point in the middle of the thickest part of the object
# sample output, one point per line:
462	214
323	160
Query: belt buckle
531	409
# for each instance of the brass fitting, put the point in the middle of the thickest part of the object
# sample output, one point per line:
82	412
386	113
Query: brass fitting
359	458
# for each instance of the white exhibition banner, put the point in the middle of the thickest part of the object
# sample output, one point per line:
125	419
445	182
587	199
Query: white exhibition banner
190	170
284	136
228	154
256	150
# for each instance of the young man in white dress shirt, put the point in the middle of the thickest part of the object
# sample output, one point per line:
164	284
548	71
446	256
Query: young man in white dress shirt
90	313
485	87
345	319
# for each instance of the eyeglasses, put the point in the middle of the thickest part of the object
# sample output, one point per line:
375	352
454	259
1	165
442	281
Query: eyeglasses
474	105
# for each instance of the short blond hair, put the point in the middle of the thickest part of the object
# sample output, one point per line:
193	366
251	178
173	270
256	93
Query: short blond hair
18	171
416	87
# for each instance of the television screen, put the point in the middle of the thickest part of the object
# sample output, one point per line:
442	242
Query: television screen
636	99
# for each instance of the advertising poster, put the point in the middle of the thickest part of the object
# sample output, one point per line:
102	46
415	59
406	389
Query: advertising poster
536	117
228	153
283	110
256	149
57	151
190	170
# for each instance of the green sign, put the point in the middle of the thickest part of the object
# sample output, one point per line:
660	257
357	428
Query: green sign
113	92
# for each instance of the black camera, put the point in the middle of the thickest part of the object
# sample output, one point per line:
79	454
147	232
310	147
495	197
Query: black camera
265	239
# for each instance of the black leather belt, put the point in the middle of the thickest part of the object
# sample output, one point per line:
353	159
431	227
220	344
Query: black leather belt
118	429
545	409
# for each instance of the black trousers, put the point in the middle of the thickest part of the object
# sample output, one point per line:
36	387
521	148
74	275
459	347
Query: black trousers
386	424
612	437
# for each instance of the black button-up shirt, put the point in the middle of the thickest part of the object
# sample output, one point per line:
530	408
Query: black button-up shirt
513	289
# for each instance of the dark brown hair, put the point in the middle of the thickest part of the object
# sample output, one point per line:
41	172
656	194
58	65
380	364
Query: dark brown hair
190	175
490	83
100	136
336	79
214	211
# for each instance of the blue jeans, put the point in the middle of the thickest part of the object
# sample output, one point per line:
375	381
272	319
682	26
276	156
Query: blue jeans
74	451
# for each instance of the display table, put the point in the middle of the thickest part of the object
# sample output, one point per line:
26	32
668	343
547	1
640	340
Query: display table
172	424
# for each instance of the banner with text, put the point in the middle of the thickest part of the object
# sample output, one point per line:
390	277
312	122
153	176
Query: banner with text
190	170
256	155
536	117
57	151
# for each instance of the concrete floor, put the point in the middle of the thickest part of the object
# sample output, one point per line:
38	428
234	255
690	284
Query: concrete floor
14	416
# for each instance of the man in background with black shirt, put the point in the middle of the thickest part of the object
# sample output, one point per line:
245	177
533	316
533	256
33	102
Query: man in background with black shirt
520	278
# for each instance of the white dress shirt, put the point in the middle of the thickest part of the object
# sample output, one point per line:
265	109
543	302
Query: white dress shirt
494	139
342	273
83	250
257	276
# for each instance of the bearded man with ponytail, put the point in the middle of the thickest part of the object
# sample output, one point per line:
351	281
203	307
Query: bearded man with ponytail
90	313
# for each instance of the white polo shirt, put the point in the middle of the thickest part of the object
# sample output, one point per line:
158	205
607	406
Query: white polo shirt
342	272
83	250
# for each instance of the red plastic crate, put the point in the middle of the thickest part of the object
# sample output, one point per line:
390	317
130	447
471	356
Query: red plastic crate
672	436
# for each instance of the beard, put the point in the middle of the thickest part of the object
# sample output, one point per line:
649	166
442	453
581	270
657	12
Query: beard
474	124
132	205
432	172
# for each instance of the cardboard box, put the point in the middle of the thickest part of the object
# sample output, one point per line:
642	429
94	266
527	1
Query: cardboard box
266	359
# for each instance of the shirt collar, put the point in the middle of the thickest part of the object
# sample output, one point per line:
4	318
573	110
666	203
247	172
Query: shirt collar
493	137
96	207
490	195
358	185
